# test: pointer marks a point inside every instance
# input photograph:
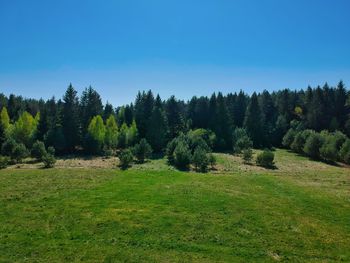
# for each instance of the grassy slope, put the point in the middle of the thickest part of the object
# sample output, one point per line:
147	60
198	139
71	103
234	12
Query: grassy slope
299	212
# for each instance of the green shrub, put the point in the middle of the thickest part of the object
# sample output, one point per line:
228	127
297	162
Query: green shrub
38	150
142	150
169	152
265	159
241	140
4	160
51	150
288	138
312	145
49	160
247	155
126	157
212	160
344	152
19	153
200	159
328	150
182	156
108	152
172	146
8	147
207	135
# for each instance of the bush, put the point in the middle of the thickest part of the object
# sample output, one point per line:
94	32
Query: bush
247	155
207	135
200	159
4	160
212	160
49	160
241	140
312	145
288	138
38	150
182	156
107	152
126	158
172	146
51	150
344	152
142	150
329	152
8	147
169	152
19	153
265	159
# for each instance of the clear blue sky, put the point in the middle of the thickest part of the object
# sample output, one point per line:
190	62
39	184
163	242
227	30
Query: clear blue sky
172	47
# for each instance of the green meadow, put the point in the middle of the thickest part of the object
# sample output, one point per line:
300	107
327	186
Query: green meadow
299	212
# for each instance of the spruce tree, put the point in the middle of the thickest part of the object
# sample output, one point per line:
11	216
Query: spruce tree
158	127
222	128
90	106
239	109
253	121
175	117
70	118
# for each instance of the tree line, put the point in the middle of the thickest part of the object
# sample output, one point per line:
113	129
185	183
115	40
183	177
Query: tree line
83	123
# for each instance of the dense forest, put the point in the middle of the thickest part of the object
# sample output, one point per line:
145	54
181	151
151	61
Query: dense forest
83	123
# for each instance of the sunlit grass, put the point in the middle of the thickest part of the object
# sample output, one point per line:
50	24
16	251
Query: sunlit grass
298	212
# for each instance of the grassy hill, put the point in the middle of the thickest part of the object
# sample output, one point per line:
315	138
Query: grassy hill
152	213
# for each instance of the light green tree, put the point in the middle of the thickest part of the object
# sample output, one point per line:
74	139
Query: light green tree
96	134
111	137
24	129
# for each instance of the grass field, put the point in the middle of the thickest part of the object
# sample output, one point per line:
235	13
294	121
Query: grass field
299	212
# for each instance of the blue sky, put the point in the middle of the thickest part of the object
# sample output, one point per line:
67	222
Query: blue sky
172	47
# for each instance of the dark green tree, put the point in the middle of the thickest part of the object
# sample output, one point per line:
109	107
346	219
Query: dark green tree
175	117
70	119
157	132
253	121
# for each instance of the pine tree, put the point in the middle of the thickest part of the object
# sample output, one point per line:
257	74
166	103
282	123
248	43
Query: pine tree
158	127
143	111
108	111
222	128
70	119
239	109
175	117
90	106
269	117
253	121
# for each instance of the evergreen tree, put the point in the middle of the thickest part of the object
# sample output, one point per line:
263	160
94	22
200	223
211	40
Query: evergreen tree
253	121
128	114
222	128
239	109
90	106
269	117
70	118
143	111
107	111
175	117
158	127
